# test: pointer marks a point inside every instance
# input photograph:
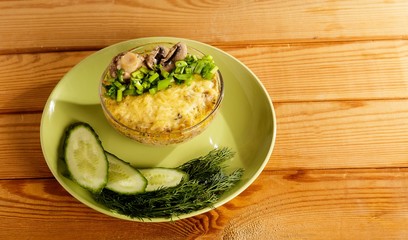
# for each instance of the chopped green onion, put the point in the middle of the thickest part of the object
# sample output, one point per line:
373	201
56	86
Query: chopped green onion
143	70
110	79
117	84
139	86
180	64
206	69
156	79
179	70
209	71
153	77
163	84
119	75
164	73
188	70
208	76
183	76
214	70
111	91
191	59
129	92
119	95
199	67
137	74
152	90
146	85
208	57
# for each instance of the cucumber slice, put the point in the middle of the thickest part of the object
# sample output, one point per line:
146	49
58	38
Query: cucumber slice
158	178
123	178
85	157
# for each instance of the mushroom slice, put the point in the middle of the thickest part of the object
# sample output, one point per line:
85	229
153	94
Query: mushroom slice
113	65
176	53
130	62
157	54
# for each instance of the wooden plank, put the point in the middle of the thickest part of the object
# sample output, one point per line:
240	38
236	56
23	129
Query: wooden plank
336	204
28	79
290	72
310	135
20	148
59	25
337	71
344	134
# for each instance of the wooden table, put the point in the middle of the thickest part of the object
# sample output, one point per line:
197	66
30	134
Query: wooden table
337	72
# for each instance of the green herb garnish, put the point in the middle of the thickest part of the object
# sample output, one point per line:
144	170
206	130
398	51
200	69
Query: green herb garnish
207	182
143	79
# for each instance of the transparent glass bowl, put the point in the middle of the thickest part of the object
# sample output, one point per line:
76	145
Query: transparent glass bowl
161	138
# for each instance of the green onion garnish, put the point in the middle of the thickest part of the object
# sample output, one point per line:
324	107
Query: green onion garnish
144	80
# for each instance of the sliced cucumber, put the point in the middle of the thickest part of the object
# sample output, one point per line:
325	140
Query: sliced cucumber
158	178
85	157
123	178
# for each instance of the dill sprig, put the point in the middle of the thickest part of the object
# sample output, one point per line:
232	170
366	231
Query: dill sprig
207	182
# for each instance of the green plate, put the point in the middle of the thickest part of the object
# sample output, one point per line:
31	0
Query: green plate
246	123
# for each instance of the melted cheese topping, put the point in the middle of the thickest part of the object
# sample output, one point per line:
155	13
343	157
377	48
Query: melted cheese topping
175	108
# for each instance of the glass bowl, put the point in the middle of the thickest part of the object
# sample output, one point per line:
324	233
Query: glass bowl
163	136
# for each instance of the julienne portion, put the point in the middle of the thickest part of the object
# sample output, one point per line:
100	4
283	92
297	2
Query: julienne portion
156	92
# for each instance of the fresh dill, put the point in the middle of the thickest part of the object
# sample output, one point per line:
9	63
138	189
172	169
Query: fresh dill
206	183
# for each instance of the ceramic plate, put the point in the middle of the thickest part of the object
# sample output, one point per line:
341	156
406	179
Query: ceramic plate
246	123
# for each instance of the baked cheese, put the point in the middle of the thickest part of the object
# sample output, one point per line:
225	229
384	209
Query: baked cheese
178	107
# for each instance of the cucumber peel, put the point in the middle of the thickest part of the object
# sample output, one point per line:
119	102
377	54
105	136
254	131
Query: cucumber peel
85	157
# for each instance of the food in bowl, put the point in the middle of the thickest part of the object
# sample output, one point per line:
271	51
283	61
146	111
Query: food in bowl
161	93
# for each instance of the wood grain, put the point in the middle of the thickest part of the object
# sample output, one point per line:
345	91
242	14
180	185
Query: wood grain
59	25
344	134
290	72
317	204
20	149
30	78
337	72
310	135
330	71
